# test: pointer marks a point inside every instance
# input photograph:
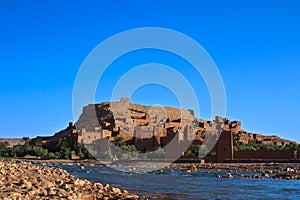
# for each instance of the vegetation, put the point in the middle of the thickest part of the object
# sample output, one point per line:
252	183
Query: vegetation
254	146
59	151
200	151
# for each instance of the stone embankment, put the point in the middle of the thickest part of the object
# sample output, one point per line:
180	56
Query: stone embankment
24	180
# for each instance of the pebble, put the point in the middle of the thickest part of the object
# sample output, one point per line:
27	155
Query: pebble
24	180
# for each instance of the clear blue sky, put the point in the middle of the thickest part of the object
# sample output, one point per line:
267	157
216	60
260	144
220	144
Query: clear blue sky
255	44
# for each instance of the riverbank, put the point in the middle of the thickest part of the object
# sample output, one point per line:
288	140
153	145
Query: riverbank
24	180
266	170
289	171
37	179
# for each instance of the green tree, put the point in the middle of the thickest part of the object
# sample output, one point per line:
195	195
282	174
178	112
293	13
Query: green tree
18	151
5	151
292	146
188	153
118	141
41	152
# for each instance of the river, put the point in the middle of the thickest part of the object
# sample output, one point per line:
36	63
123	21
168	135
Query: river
178	184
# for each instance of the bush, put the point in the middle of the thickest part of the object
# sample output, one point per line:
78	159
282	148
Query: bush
55	155
292	146
252	145
188	153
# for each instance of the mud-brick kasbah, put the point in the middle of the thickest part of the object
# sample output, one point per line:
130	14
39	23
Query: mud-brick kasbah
150	127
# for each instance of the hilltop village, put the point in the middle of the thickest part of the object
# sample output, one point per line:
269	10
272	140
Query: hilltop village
177	131
138	124
149	128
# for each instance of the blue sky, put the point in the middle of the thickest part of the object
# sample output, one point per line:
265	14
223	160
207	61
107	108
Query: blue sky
255	45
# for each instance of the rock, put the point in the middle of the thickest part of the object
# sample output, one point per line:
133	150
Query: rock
62	193
44	192
47	184
12	177
193	168
256	176
265	175
52	192
65	186
26	184
15	194
229	175
116	190
290	169
32	193
132	197
98	185
79	182
74	196
59	182
28	181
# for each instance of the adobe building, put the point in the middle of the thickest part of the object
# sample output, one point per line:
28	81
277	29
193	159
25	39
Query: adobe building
151	127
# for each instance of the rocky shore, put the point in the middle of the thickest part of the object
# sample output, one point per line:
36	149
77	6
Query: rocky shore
24	180
289	171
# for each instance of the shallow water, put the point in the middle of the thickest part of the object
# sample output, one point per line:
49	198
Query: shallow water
177	184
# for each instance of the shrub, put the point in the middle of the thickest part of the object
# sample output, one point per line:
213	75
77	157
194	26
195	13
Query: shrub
188	153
